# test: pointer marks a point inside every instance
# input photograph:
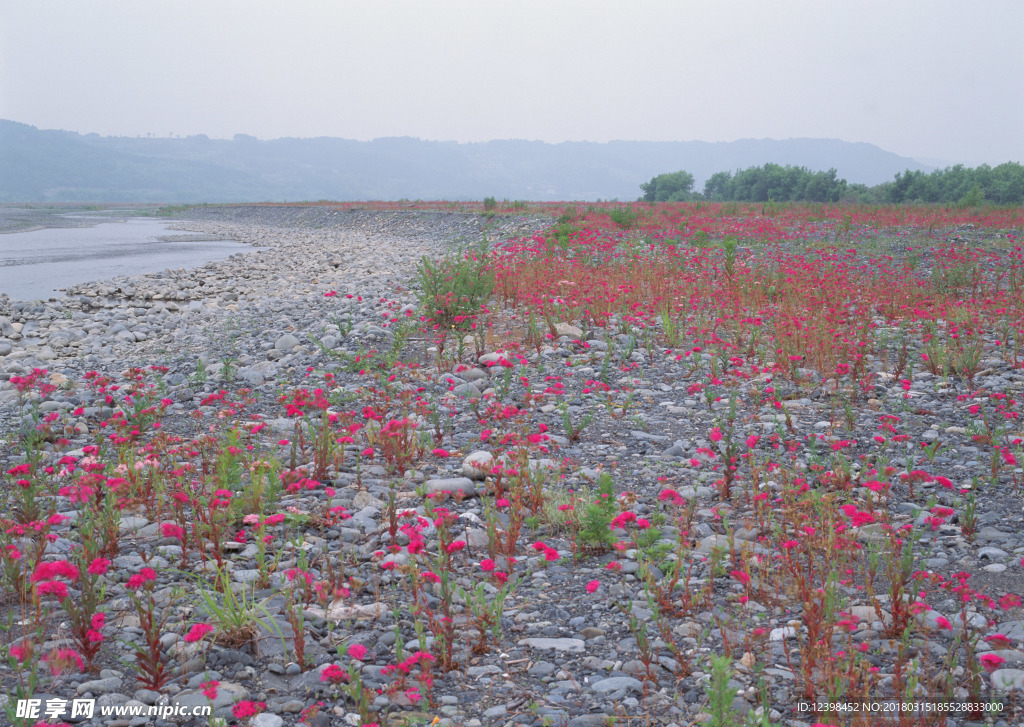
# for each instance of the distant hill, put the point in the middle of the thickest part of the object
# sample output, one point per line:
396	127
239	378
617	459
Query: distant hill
39	165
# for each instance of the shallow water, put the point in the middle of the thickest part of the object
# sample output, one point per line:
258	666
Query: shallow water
38	264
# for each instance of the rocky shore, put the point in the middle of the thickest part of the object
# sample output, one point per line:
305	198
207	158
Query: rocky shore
568	653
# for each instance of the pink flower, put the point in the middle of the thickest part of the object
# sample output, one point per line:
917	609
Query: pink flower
456	546
440	452
55	588
593	586
247	708
48	570
357	651
943	623
333	674
487	565
210	688
716	435
170	530
99	566
1009	601
752	440
741	576
61	659
998	641
991	662
141	578
197	632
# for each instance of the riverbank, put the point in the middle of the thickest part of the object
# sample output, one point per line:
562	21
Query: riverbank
497	599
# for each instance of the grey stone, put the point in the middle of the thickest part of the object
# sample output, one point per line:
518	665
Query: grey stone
542	669
570	645
228	694
1005	680
614	684
567	329
99	686
451	485
991	553
286	342
477	465
1012	629
265	719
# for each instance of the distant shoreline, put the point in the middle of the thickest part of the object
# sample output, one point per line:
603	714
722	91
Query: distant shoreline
14	219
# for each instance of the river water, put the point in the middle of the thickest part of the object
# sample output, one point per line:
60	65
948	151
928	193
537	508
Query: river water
37	264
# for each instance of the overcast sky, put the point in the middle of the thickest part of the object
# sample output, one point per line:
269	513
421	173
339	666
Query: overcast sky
934	79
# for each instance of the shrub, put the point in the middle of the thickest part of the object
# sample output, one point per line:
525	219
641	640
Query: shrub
453	289
596	523
623	217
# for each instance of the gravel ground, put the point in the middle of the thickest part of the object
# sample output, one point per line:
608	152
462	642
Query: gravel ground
567	653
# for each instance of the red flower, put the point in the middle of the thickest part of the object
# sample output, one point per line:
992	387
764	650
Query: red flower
197	632
141	578
991	662
210	688
49	570
333	674
998	641
56	588
170	530
60	659
247	708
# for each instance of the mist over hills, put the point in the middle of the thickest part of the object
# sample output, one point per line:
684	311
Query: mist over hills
62	166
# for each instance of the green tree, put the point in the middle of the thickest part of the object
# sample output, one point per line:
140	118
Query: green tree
674	187
718	187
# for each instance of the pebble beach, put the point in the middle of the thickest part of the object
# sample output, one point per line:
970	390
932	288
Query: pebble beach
579	639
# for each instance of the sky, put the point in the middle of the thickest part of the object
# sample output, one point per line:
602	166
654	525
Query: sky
936	80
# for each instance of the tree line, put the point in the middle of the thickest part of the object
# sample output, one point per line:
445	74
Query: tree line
960	185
